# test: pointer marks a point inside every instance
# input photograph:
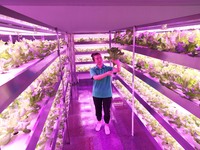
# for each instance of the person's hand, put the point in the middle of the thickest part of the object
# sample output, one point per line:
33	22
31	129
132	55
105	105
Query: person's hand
109	73
116	61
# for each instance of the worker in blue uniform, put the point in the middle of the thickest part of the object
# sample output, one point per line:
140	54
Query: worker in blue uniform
102	89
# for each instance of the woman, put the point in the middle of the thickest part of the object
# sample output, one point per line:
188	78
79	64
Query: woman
102	89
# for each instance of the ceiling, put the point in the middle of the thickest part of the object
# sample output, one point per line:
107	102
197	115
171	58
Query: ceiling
102	2
81	16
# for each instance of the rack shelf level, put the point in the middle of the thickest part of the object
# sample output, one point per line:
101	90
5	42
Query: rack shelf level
165	124
141	124
183	59
127	67
190	106
124	47
101	52
14	87
92	42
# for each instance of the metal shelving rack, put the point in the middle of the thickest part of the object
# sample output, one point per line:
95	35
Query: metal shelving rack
189	105
33	139
136	117
157	116
51	144
13	87
183	59
124	47
129	48
85	74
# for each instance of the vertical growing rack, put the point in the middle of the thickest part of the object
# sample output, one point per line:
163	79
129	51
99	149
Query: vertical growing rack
130	48
16	80
178	132
84	46
138	76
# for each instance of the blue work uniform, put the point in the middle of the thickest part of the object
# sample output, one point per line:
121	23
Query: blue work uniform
101	88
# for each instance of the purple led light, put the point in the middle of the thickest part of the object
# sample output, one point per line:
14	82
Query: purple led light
6	18
165	29
12	31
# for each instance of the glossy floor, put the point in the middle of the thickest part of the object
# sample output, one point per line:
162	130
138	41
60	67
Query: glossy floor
82	122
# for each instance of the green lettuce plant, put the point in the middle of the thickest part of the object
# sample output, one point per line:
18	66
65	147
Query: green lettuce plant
114	53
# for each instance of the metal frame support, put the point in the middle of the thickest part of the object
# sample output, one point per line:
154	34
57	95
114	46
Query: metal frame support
110	39
66	134
74	79
133	89
60	65
69	57
110	43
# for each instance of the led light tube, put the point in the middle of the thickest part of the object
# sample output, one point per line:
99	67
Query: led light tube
172	29
12	31
6	18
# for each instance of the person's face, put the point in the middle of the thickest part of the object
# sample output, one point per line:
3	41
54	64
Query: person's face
98	59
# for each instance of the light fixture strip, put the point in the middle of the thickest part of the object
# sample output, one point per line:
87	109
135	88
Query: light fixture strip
23	23
12	31
171	29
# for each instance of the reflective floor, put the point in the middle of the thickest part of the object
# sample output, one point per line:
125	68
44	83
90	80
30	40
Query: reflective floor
82	122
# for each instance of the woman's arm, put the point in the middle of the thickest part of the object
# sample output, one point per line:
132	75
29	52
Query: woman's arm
101	76
118	69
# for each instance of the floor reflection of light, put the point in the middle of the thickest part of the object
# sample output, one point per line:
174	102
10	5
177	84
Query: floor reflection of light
85	114
86	118
115	95
84	99
84	107
87	122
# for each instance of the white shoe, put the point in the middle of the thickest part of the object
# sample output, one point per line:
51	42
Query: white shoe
107	129
98	126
